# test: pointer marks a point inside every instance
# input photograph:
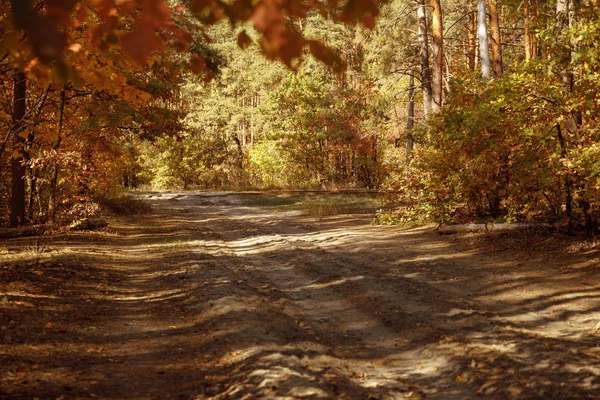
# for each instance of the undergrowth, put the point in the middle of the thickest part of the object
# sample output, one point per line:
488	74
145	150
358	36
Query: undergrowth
123	205
316	205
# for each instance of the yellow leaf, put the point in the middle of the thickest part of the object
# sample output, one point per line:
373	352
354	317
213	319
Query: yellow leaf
459	379
48	325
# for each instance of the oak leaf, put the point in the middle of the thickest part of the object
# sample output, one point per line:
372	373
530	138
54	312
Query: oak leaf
156	10
326	55
197	64
141	41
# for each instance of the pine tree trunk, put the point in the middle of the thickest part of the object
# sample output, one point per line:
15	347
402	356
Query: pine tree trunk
17	202
495	34
424	57
438	55
482	33
410	123
531	11
472	53
526	34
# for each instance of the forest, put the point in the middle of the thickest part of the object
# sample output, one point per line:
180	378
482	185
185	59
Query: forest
290	199
461	111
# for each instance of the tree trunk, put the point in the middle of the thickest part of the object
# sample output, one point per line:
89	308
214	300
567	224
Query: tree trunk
531	11
54	173
568	182
482	33
438	55
424	56
472	53
495	34
410	123
562	20
31	192
17	202
562	13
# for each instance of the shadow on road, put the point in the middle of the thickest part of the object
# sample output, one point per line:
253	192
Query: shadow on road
220	299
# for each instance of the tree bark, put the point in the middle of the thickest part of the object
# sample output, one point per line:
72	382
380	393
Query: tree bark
531	11
495	34
562	13
17	202
472	53
438	55
424	57
482	33
410	123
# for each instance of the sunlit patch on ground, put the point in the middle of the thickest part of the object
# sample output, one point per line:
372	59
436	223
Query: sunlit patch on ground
220	297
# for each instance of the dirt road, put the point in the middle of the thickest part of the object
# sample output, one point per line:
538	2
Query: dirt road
213	297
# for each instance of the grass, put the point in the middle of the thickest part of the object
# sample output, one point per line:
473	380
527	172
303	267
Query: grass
30	252
124	205
316	204
280	202
321	206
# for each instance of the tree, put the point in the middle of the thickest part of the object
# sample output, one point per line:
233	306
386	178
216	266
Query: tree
482	33
17	203
410	121
423	38
152	23
530	11
495	34
472	37
438	55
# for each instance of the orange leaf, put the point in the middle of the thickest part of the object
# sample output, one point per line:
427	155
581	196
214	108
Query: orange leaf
326	55
31	65
266	16
141	41
197	64
283	44
156	10
369	21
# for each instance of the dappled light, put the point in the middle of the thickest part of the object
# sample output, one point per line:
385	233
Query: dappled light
290	199
226	301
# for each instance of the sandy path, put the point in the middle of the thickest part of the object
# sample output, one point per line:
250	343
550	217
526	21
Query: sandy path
211	298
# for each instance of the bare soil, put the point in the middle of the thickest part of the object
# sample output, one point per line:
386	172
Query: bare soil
212	296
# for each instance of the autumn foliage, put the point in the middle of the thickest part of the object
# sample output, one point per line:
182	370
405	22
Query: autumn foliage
304	94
